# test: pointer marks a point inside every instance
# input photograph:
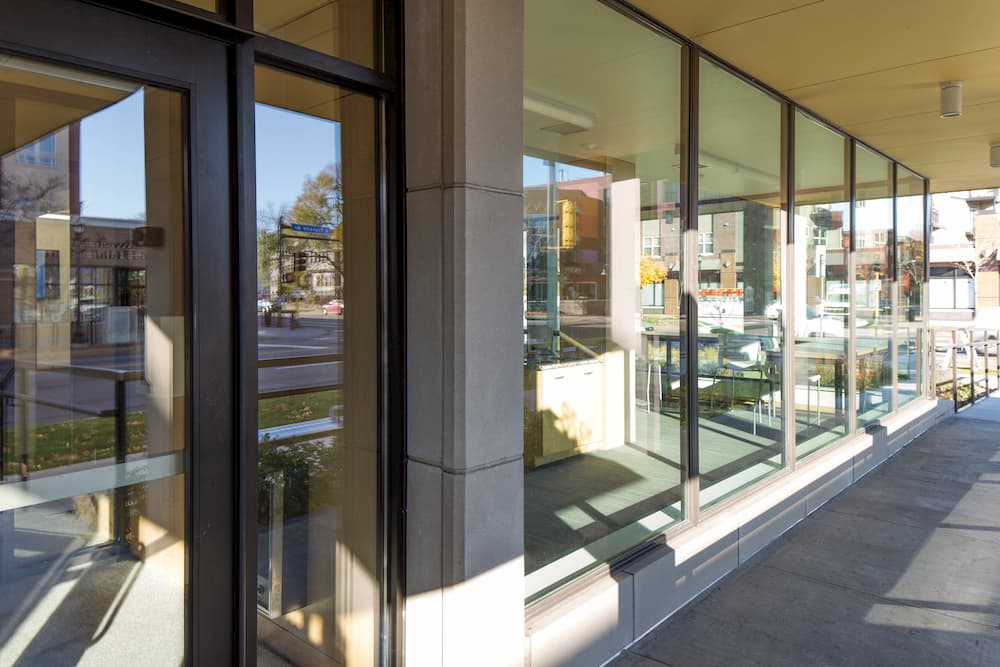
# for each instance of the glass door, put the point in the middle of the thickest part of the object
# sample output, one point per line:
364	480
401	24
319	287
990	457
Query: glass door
102	386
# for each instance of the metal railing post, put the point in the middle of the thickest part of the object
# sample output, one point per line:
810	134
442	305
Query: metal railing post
996	355
932	359
121	447
971	353
986	358
954	368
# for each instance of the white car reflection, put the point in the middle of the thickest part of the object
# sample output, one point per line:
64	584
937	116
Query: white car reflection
827	326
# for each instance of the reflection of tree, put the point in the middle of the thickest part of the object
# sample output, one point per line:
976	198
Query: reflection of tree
320	204
268	248
27	198
651	272
911	274
311	470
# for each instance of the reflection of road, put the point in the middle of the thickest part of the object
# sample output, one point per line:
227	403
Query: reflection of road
314	336
91	394
298	377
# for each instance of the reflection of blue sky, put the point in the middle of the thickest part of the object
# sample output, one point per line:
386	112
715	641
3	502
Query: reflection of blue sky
112	170
536	172
290	148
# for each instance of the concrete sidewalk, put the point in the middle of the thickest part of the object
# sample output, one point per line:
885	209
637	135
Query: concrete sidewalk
902	568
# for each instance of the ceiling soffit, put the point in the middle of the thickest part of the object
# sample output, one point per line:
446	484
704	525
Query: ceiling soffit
873	69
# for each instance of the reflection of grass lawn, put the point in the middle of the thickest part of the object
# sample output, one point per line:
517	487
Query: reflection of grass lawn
75	441
92	439
283	410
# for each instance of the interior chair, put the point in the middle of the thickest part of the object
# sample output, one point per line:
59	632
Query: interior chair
742	357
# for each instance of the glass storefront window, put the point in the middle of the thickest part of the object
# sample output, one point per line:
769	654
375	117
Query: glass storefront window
822	287
910	252
93	368
605	252
318	573
873	276
341	28
603	384
740	319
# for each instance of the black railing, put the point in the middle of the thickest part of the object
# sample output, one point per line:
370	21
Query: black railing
961	350
119	413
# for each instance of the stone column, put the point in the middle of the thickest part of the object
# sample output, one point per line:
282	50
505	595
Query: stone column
465	522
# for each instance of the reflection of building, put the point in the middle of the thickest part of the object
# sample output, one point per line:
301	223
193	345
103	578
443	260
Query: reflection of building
67	270
580	226
964	277
34	183
986	228
107	280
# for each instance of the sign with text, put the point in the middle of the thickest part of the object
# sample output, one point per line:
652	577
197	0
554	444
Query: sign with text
721	307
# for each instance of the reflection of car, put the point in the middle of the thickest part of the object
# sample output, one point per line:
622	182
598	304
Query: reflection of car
264	305
833	326
333	307
825	324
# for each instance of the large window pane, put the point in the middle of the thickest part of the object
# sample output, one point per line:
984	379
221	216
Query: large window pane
822	292
911	249
92	369
341	28
740	350
873	256
603	391
317	558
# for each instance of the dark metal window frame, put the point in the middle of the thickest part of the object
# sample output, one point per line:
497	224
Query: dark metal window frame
211	57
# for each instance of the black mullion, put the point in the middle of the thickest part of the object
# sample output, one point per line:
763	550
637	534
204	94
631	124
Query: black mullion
851	165
789	439
788	155
245	279
178	15
241	13
393	336
213	371
689	203
893	176
925	305
320	66
850	404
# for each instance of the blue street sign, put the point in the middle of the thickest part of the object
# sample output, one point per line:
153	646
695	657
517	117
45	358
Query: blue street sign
311	229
